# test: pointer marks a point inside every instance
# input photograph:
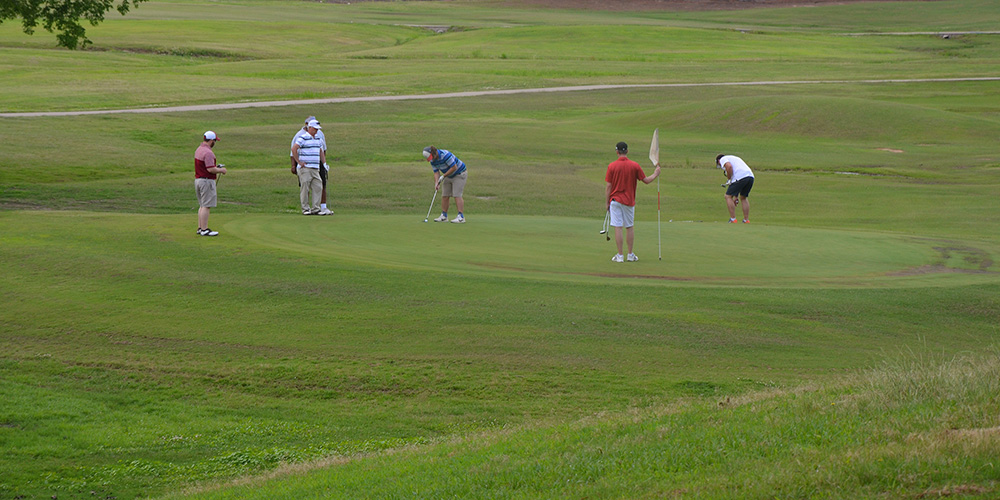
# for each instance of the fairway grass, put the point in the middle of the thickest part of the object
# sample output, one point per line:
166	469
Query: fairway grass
841	345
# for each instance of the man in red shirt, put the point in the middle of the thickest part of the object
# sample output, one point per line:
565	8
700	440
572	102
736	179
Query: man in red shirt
205	171
621	178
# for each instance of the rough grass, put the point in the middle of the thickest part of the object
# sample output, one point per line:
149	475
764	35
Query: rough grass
869	436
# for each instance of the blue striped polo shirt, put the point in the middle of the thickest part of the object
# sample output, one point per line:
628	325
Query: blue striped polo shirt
309	149
446	160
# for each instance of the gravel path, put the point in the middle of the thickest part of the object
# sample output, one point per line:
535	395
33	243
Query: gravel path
477	93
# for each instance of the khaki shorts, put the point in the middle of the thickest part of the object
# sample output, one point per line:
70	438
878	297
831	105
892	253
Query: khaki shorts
454	186
205	188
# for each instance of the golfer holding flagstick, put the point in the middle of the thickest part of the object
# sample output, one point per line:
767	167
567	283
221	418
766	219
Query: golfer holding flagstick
621	179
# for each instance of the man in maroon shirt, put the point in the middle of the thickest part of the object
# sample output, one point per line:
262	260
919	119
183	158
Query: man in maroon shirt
621	178
205	171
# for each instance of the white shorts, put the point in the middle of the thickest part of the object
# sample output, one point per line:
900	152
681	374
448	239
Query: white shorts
622	215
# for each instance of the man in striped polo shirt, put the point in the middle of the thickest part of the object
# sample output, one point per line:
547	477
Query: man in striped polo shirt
449	176
324	173
309	156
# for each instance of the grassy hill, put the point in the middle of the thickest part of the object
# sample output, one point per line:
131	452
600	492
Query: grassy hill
841	345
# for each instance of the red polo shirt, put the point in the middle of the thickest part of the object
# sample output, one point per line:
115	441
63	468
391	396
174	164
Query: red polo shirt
623	174
204	158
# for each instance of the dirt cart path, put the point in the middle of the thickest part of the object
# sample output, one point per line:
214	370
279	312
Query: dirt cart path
477	93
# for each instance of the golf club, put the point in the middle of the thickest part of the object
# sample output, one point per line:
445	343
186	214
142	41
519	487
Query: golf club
432	204
607	220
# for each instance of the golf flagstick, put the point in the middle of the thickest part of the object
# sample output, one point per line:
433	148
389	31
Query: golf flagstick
654	156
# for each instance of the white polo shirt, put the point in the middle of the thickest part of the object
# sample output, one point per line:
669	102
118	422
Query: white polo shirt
740	167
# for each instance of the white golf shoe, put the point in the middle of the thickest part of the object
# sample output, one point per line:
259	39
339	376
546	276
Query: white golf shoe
632	257
459	220
441	218
618	258
325	211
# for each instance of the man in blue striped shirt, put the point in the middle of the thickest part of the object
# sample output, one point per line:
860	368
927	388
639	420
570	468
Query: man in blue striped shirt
310	155
324	173
449	176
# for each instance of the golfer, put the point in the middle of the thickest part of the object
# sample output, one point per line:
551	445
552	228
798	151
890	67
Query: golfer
450	177
309	157
739	185
205	172
621	178
324	172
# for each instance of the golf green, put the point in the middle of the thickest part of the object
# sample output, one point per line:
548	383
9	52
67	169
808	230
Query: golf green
561	248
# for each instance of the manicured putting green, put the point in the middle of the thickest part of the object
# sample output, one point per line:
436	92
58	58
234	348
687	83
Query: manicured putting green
560	248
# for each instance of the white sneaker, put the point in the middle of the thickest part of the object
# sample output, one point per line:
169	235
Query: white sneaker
325	211
306	212
459	220
207	232
618	258
632	257
442	218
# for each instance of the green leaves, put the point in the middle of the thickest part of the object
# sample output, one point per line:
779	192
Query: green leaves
63	16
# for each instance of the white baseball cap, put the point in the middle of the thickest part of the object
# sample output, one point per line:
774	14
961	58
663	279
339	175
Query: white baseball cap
210	136
314	124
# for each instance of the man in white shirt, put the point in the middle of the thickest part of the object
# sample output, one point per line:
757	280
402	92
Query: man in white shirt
739	185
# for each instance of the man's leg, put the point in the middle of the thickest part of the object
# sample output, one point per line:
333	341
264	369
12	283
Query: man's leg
629	237
460	204
316	189
203	217
618	239
731	204
304	188
444	204
745	203
323	175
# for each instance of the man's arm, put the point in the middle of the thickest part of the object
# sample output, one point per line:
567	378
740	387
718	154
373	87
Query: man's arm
728	168
295	156
607	196
655	174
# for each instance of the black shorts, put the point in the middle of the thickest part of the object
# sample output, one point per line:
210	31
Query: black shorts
741	187
323	174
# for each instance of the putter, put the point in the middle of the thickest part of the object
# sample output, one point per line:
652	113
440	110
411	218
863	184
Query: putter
432	204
